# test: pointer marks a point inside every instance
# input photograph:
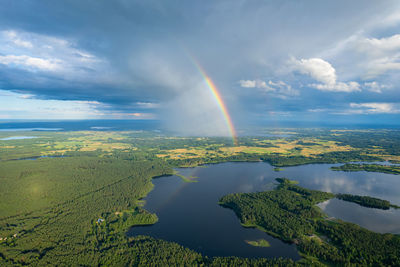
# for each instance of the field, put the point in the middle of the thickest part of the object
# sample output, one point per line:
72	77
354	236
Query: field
309	148
306	144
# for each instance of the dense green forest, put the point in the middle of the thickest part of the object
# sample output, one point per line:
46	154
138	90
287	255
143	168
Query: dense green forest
331	157
390	169
366	201
59	213
68	198
289	212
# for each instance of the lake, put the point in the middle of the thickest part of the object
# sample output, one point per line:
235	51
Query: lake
17	138
189	213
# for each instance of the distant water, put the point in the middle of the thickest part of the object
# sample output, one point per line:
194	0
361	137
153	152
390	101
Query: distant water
189	213
156	125
18	137
83	125
29	129
41	157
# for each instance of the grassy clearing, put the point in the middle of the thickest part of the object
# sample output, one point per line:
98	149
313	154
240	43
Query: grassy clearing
259	243
188	179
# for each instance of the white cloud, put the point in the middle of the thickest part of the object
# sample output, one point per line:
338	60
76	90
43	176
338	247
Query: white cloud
338	87
323	72
362	108
375	86
12	36
31	62
379	47
282	89
15	105
21	106
147	105
134	116
380	66
22	43
279	89
366	57
33	52
380	55
253	84
247	83
318	69
373	107
318	110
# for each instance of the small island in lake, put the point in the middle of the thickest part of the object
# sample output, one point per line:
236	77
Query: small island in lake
259	243
366	201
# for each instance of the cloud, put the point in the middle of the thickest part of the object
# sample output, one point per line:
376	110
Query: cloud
323	72
375	86
13	37
382	65
374	108
32	52
379	47
147	105
278	89
318	69
282	89
254	84
362	108
31	62
20	106
248	83
131	116
136	53
382	55
367	58
22	43
338	87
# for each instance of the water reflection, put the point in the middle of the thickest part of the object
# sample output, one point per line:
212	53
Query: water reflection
377	220
189	213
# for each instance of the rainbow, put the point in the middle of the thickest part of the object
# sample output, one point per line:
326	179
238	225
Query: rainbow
218	99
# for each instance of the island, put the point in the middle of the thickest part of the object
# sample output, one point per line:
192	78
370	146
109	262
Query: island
366	201
289	213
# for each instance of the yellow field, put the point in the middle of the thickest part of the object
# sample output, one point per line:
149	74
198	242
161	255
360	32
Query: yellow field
278	146
387	157
88	141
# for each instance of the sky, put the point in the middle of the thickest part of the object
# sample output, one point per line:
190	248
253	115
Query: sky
271	61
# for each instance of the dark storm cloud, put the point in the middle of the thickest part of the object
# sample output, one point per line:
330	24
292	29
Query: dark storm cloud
126	52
